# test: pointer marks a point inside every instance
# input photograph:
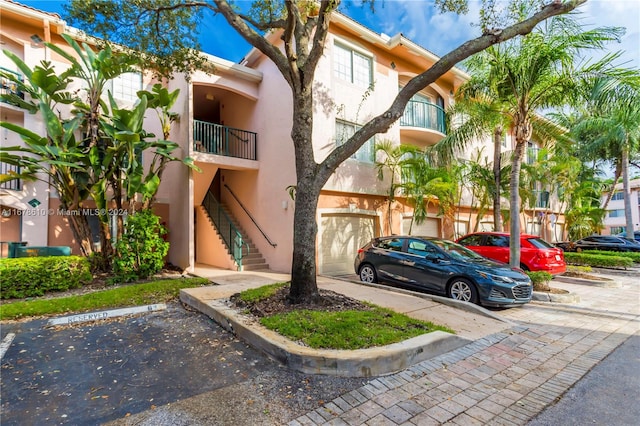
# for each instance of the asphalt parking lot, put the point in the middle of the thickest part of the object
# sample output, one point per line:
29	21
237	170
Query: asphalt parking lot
93	373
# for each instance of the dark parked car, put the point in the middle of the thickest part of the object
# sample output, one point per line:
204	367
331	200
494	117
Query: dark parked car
636	235
535	253
442	267
601	242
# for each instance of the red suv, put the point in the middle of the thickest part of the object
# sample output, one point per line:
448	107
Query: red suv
536	254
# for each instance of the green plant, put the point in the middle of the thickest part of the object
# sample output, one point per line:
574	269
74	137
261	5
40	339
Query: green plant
256	294
579	269
598	260
349	330
141	251
35	276
540	280
129	295
631	255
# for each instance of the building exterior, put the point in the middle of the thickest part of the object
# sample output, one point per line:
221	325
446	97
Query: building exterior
615	221
235	124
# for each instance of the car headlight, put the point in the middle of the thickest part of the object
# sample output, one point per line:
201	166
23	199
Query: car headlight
498	278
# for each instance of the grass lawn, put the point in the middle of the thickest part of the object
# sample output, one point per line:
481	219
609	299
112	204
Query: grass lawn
159	291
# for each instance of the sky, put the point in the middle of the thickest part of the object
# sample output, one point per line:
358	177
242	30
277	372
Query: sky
418	21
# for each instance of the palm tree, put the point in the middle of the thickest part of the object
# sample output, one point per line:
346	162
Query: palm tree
392	161
613	123
529	75
424	184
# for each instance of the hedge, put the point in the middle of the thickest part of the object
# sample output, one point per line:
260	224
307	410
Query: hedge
34	276
598	260
540	280
635	256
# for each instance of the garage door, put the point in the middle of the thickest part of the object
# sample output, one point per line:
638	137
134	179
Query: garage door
341	235
429	228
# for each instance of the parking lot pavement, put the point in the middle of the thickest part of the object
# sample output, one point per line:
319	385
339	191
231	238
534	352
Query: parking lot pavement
92	373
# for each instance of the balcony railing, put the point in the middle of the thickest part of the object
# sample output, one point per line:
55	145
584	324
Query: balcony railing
423	114
15	184
222	140
8	87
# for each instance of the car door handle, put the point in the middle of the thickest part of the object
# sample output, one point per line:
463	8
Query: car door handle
407	262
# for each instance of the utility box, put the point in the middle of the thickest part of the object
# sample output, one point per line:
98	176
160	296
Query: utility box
34	251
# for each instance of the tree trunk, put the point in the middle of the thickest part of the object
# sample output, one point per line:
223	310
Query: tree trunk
310	181
497	143
616	178
627	190
514	200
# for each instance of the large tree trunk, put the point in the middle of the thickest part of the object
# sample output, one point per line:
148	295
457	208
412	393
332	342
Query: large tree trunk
522	129
514	201
497	143
310	181
627	190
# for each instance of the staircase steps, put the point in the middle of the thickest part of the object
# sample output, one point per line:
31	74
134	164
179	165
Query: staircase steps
252	261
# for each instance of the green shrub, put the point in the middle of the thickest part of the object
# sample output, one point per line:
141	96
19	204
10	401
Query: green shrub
540	280
141	251
597	260
631	255
34	276
578	269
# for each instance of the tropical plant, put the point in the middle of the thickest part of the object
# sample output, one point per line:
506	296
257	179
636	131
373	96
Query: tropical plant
613	125
93	152
424	184
393	159
528	75
296	53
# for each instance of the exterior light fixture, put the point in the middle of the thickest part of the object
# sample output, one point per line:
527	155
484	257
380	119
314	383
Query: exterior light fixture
36	39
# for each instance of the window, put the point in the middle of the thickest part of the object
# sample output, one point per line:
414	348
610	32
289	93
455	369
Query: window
616	230
618	196
394	244
472	240
344	131
418	247
352	66
497	241
616	213
126	86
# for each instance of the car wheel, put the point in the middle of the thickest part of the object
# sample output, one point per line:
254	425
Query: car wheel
523	267
461	289
368	274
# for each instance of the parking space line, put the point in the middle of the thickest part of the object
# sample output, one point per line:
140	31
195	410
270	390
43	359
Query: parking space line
101	315
6	342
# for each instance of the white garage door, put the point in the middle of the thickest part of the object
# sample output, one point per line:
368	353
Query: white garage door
429	228
341	235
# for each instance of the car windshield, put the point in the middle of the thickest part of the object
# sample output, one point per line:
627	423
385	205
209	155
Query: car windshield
457	251
540	243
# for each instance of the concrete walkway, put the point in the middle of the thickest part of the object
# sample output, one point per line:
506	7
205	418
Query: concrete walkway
505	376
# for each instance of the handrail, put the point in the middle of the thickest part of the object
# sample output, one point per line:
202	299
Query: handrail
217	139
425	115
8	169
250	217
7	86
230	234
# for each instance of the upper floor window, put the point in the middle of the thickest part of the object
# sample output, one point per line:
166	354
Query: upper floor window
616	213
344	130
618	196
126	86
352	66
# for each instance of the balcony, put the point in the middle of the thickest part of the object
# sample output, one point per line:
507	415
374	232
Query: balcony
423	122
210	138
7	86
9	169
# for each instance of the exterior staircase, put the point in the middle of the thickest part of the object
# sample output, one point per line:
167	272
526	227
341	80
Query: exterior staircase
252	260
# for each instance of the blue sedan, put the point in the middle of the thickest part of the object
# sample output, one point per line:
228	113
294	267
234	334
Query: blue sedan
442	267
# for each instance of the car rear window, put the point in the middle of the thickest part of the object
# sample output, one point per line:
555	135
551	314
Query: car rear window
539	243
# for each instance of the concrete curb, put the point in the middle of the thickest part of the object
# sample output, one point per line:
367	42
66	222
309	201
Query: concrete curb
343	363
584	281
543	296
465	306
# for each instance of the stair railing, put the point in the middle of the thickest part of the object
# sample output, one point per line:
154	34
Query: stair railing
250	216
227	230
